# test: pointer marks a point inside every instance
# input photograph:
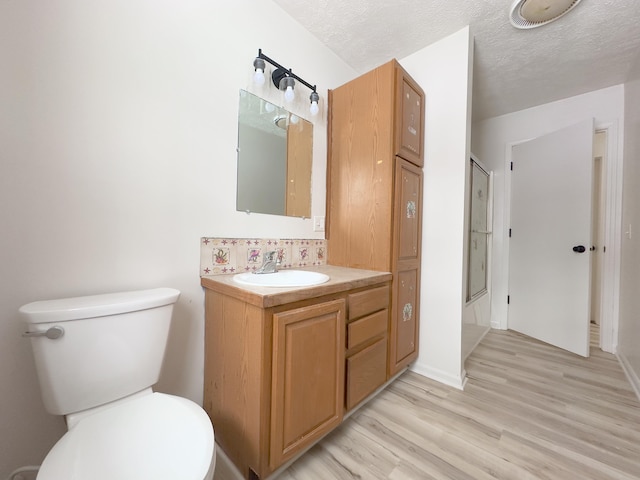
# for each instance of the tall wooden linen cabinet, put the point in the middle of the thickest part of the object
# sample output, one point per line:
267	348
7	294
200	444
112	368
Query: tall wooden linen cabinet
374	185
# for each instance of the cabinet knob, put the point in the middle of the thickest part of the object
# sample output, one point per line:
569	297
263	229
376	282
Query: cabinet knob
411	209
407	312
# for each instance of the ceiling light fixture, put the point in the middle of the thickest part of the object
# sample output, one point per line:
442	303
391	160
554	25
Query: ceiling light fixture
284	79
526	14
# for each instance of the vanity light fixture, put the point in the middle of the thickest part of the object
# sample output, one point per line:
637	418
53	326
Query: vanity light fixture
284	79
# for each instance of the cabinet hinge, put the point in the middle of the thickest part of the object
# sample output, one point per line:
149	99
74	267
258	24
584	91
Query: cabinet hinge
512	166
509	233
508	299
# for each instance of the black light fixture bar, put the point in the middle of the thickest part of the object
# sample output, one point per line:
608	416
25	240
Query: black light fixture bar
287	71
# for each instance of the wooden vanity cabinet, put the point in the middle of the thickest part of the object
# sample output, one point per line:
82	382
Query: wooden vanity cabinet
374	197
275	373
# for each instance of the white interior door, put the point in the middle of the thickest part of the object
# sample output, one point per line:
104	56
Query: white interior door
551	206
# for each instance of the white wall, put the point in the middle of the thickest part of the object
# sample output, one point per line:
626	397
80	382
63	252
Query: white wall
444	70
118	128
629	345
489	141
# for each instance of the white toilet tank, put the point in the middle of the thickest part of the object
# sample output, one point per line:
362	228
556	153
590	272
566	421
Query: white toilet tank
112	346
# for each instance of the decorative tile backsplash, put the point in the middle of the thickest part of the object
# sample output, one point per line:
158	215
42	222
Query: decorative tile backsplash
233	255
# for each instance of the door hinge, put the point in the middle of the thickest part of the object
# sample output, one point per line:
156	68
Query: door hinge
604	249
512	166
509	233
508	299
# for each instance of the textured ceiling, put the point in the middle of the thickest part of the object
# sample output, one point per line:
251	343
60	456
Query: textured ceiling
594	46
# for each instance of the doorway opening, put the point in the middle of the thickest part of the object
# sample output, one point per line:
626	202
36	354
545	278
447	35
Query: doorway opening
606	289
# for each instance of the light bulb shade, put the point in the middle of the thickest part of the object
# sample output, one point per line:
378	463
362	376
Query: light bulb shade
314	97
287	83
259	64
258	76
289	94
280	78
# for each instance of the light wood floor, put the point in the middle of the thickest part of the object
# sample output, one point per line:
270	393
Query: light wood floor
471	336
529	411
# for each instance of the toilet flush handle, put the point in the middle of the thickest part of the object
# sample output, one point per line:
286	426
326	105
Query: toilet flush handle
52	333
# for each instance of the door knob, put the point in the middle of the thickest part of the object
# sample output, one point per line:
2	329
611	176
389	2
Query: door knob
579	249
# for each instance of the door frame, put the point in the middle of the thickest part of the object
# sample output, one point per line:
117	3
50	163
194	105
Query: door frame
610	291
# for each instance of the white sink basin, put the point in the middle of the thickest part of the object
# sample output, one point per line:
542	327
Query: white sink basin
283	278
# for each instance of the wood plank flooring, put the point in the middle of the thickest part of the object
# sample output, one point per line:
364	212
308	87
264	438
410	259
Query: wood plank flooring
529	411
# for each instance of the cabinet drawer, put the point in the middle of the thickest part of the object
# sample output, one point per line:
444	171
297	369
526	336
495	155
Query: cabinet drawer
369	301
366	371
367	328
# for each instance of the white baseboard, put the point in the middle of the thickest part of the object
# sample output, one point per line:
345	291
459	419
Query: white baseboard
440	375
631	374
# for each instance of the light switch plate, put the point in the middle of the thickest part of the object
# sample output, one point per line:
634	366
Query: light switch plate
318	223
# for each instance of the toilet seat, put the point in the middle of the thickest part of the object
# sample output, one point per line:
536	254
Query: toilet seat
153	437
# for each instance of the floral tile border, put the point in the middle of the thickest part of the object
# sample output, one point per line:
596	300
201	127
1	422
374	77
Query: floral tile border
220	256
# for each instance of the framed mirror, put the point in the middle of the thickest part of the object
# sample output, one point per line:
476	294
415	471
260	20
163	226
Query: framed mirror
275	150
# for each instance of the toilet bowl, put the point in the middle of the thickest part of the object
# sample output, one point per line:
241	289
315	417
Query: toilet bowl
157	436
97	370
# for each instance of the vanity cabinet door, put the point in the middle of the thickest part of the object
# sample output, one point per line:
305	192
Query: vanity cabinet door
408	210
404	331
409	119
307	377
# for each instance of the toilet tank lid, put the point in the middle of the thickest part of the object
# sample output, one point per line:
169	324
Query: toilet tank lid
92	306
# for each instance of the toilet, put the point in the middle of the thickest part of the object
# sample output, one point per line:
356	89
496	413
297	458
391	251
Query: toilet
97	358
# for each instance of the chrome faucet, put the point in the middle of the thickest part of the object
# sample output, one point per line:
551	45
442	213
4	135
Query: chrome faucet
269	263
